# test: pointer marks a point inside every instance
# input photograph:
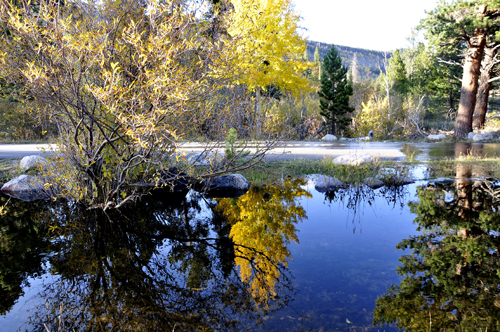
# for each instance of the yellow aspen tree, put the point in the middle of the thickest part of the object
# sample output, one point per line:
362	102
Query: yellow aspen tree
269	48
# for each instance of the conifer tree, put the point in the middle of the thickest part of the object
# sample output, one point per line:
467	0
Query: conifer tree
397	72
334	93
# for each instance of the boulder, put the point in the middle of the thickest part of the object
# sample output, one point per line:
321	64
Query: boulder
329	138
353	159
31	162
324	183
231	185
471	135
479	138
373	183
370	134
436	137
27	188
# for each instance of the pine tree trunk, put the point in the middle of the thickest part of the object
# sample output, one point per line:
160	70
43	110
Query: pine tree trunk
484	89
472	67
482	101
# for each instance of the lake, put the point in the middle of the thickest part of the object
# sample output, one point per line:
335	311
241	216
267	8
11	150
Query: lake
280	258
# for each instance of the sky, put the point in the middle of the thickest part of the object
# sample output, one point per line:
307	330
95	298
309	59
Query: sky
381	25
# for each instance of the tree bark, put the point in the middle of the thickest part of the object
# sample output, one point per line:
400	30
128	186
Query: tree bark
489	63
481	101
468	92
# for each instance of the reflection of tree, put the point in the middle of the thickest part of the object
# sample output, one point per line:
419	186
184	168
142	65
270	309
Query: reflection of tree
22	248
165	265
263	225
357	198
452	277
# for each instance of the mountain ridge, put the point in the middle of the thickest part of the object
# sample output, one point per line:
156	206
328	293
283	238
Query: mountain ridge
369	61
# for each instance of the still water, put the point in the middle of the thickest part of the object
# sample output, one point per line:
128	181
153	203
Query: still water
280	258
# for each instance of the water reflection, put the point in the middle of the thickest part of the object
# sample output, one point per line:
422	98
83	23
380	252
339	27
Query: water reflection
170	263
452	276
22	248
263	225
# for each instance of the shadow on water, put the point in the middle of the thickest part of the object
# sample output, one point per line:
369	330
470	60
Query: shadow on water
170	263
451	276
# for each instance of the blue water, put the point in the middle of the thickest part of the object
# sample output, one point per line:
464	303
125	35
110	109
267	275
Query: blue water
345	259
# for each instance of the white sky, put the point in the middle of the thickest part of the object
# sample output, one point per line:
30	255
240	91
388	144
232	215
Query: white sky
381	25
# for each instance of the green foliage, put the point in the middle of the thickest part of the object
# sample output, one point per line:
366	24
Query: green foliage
397	73
334	93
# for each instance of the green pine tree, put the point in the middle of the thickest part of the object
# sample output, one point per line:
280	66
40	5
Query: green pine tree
397	72
334	93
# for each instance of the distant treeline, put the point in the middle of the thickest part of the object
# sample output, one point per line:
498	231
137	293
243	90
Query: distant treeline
369	62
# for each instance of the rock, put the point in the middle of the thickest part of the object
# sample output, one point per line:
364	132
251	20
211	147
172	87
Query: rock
436	137
370	134
479	138
31	162
354	159
324	183
373	183
366	138
231	185
471	135
329	138
26	187
206	158
442	181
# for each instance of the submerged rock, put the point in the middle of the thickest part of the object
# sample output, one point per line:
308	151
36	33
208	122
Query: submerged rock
31	162
325	183
231	185
329	137
436	137
27	188
353	159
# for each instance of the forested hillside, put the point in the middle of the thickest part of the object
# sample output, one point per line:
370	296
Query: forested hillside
369	62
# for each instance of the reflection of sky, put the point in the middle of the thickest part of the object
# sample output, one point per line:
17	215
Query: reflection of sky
341	264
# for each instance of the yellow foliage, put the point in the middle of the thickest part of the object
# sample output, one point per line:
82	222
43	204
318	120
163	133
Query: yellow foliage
263	225
370	117
268	47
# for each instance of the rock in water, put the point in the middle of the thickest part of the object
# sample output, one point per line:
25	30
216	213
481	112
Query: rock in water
31	162
231	185
354	159
329	138
25	187
324	183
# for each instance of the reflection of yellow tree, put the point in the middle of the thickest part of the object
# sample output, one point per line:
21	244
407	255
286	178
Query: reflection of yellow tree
263	224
